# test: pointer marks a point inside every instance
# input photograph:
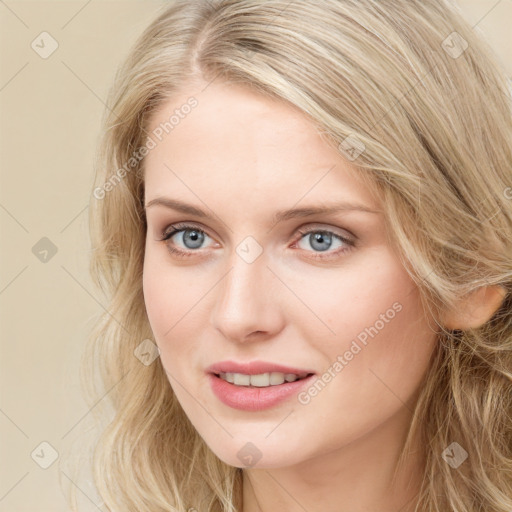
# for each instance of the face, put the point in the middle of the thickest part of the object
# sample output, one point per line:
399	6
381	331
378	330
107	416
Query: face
320	293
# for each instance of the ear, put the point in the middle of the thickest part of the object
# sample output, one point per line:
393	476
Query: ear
474	309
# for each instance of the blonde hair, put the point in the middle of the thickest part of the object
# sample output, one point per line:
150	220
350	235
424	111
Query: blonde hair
423	97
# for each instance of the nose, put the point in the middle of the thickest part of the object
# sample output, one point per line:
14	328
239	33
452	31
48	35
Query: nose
247	305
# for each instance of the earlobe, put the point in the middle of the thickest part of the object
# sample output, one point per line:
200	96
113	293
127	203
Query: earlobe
474	309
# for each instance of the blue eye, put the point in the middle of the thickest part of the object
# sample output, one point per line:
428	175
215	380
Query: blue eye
191	237
321	240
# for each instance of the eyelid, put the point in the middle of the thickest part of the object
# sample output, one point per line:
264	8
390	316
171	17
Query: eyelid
179	226
341	232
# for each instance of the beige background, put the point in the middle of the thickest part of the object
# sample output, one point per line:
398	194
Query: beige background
51	110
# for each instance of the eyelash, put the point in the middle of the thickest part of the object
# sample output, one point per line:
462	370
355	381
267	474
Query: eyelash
178	228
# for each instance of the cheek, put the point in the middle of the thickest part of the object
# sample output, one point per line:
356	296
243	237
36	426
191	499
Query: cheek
157	301
375	362
375	321
353	297
177	303
168	296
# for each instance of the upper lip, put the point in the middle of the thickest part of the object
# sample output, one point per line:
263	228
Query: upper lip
255	368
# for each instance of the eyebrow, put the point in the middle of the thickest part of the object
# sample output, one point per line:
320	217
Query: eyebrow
279	216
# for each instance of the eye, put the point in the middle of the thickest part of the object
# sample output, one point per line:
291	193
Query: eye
321	240
190	236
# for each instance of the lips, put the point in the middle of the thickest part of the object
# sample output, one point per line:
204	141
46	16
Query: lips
256	368
254	399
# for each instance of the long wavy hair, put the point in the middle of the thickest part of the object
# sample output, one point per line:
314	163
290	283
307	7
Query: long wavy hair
427	103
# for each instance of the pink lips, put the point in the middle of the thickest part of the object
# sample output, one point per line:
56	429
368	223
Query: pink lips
255	398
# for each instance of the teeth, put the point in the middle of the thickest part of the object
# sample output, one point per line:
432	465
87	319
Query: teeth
261	380
241	380
277	378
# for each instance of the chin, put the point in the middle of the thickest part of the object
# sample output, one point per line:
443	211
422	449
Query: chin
259	453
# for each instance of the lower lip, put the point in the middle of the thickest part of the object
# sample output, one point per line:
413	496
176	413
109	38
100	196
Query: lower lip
254	398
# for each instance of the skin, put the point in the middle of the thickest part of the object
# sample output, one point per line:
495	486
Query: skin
241	157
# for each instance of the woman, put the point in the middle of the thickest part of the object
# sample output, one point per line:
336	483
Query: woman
302	221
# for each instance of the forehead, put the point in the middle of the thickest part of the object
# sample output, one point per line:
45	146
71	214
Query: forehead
237	143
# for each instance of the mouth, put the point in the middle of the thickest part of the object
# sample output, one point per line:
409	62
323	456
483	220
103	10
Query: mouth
261	380
257	391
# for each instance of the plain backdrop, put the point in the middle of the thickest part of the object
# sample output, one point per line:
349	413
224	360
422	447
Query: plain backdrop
51	106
